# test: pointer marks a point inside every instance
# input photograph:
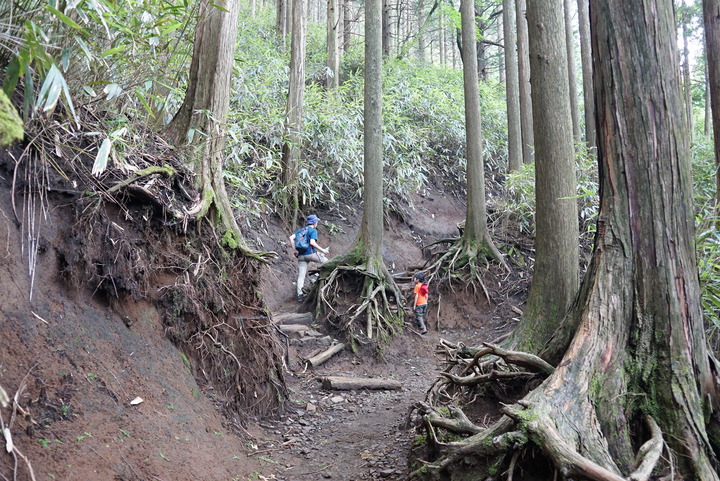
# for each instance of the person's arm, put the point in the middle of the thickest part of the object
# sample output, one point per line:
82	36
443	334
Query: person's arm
314	243
292	245
416	297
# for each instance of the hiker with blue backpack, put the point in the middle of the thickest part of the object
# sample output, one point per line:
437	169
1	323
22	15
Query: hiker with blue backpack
307	250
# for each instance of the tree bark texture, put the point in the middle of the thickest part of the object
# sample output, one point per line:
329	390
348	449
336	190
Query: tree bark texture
572	79
555	277
711	18
640	347
385	27
587	75
208	90
476	215
512	93
526	112
294	107
371	228
333	51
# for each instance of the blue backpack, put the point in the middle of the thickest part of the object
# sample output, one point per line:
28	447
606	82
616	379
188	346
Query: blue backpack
302	240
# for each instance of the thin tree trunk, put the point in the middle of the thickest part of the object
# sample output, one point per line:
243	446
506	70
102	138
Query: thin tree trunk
347	25
371	227
587	74
476	217
511	88
385	27
333	53
711	18
555	277
526	109
441	33
687	81
421	33
569	41
281	21
294	107
708	110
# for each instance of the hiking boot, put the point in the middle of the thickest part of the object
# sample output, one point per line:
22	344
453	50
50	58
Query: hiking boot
423	330
301	298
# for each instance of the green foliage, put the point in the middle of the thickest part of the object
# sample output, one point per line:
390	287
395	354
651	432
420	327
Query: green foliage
707	235
520	193
423	124
11	128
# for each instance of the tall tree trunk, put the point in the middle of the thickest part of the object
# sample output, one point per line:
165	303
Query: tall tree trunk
511	88
209	91
347	25
555	277
480	48
420	17
333	52
587	74
476	242
687	81
711	19
371	227
526	109
708	110
385	28
640	348
441	34
294	109
569	41
476	216
501	57
281	21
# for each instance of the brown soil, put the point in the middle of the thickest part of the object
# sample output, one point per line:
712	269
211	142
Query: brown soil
77	360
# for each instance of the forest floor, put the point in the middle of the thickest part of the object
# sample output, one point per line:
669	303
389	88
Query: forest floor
78	364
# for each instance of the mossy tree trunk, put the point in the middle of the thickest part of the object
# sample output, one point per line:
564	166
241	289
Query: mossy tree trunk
640	348
555	277
205	109
635	376
475	235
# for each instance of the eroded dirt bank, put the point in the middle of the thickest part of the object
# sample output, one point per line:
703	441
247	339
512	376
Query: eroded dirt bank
78	358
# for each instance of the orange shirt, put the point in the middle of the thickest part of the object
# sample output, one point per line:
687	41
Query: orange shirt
421	298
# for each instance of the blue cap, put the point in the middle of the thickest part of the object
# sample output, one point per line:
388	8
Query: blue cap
312	219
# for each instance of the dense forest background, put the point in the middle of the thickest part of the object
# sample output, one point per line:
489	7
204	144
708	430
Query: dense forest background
236	112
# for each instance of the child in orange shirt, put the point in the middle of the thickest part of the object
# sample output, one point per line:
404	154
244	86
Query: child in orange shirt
420	306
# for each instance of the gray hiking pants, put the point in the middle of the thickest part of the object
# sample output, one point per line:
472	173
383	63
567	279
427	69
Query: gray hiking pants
303	263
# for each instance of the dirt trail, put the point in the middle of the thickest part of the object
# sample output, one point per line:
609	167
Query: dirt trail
353	435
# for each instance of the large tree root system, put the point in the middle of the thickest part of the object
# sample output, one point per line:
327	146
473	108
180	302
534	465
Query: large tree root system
463	262
359	297
545	419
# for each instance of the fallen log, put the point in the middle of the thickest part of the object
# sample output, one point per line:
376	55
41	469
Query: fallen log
305	318
320	358
340	383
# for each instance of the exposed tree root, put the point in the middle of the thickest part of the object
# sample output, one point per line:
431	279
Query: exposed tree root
531	421
359	297
468	367
463	262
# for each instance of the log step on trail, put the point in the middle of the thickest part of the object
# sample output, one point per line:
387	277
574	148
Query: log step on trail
323	356
340	383
304	318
